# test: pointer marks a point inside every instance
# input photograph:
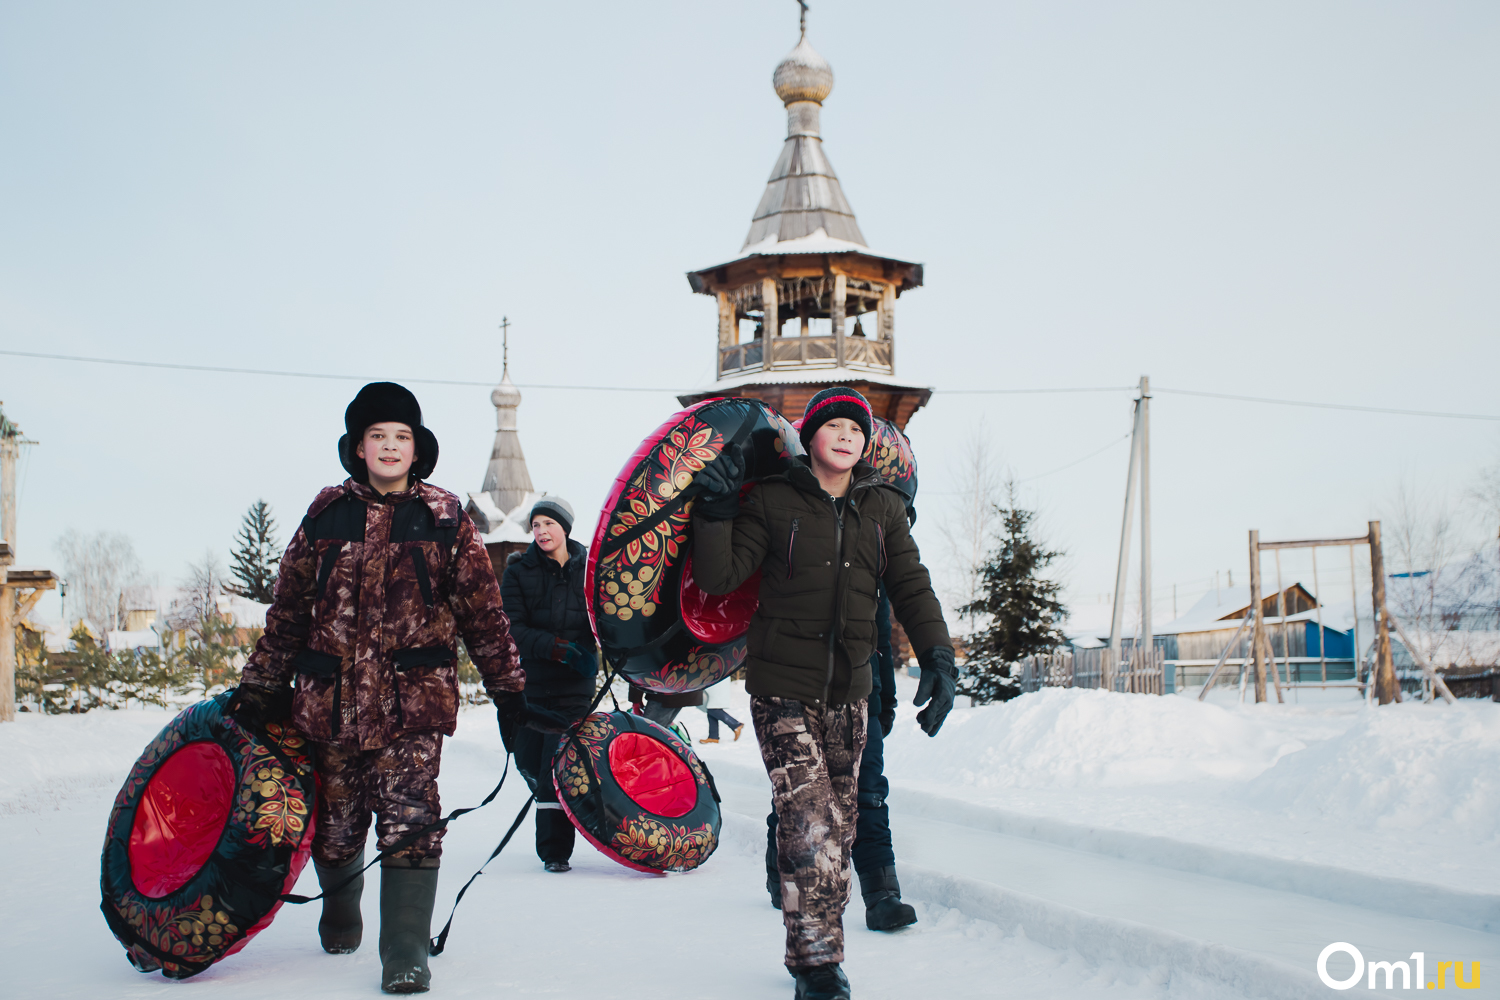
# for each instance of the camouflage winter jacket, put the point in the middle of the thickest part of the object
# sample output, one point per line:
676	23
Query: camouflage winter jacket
372	596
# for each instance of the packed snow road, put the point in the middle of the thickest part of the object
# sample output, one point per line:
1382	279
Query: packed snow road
1073	903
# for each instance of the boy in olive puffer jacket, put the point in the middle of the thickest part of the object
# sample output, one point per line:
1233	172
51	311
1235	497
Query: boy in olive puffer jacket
824	535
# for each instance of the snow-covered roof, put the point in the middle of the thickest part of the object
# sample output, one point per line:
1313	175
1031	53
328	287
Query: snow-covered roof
246	613
120	640
790	376
502	526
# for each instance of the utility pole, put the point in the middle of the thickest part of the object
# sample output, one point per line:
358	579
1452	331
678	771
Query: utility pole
14	605
1146	641
1140	462
1386	688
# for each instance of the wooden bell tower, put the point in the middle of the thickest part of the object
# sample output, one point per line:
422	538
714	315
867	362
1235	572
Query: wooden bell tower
807	304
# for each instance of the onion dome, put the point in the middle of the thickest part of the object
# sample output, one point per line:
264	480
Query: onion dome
803	75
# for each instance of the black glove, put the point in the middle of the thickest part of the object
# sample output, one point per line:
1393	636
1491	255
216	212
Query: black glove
939	678
887	720
719	487
544	720
254	706
581	661
510	711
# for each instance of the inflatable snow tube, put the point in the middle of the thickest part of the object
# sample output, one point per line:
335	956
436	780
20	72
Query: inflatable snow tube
636	792
658	629
890	452
212	826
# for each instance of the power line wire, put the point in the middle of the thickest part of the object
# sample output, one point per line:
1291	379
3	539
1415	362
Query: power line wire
322	375
1327	406
1080	461
225	369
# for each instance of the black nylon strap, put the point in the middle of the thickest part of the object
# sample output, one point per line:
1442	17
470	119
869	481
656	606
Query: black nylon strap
404	842
437	944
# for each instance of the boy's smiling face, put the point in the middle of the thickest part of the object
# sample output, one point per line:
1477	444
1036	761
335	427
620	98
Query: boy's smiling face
388	450
838	444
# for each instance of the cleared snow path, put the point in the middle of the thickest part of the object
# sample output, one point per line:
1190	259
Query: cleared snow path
598	932
1246	937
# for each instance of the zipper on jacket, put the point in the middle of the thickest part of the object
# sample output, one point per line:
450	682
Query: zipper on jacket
838	574
790	545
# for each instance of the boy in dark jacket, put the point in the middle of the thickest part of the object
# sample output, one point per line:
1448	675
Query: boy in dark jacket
824	536
383	576
543	594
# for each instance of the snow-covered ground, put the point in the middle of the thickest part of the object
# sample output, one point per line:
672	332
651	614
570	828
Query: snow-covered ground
1066	844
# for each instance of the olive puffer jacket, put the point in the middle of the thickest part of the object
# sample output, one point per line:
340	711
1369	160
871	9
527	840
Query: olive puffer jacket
371	598
545	603
814	634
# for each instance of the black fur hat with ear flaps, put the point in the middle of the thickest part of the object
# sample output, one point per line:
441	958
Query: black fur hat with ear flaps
383	402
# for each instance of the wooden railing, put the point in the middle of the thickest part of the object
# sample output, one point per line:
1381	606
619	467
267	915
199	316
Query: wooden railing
808	352
1095	668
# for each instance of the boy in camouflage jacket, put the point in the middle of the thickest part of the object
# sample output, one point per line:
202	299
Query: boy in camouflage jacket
383	576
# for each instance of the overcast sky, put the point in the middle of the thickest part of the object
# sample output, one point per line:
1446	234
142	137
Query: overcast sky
1276	199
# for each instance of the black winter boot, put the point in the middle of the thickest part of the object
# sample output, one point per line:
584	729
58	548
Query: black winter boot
406	898
773	877
341	927
820	982
884	910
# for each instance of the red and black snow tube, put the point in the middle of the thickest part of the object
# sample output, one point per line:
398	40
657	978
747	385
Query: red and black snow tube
636	792
658	629
212	826
890	452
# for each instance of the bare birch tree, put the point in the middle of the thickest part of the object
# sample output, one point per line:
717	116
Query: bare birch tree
969	526
1437	579
99	569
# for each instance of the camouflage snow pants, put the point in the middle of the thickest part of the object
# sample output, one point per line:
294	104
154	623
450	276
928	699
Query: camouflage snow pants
397	783
812	755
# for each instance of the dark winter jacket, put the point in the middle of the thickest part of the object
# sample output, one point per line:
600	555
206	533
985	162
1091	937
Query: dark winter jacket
372	596
814	633
883	666
545	604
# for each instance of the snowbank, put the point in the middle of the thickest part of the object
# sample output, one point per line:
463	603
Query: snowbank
51	759
1397	769
1065	738
1408	790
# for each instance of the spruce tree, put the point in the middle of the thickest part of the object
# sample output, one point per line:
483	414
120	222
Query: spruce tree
256	554
1020	609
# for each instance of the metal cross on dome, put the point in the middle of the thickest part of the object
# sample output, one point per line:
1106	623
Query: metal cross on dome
803	22
504	345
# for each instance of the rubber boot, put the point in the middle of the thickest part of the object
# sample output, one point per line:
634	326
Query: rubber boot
820	982
884	910
406	898
341	927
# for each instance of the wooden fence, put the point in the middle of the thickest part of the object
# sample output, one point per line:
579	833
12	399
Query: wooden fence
1095	668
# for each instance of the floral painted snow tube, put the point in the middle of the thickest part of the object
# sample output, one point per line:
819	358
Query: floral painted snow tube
658	629
214	823
890	452
636	792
